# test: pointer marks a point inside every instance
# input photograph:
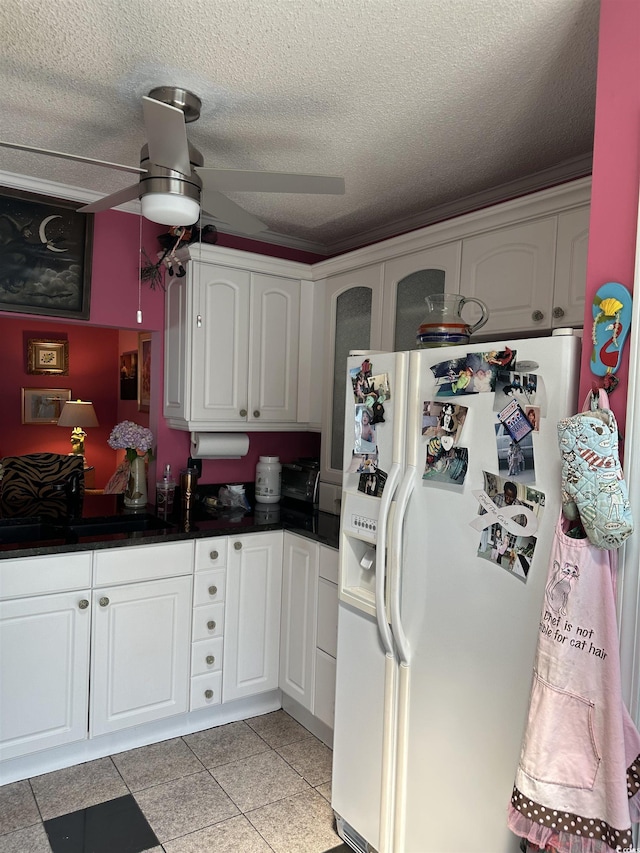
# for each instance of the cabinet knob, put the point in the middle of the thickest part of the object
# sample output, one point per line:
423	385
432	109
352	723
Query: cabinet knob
208	694
237	546
256	413
213	590
210	659
537	316
211	625
104	601
558	312
243	413
83	604
213	555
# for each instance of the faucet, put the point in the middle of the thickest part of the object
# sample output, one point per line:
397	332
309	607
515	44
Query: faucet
73	492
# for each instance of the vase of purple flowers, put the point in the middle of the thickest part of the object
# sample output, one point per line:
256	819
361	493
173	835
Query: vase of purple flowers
136	441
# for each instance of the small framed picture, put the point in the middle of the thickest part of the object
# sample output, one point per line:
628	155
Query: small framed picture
43	405
48	357
144	371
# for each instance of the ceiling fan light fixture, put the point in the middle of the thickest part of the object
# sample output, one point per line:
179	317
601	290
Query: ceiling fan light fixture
170	208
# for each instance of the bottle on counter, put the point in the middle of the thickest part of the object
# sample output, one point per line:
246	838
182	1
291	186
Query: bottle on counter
165	493
268	478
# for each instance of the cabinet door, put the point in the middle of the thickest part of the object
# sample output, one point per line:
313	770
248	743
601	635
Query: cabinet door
141	649
511	270
274	345
44	672
325	701
252	615
220	362
408	280
176	348
298	623
571	268
353	312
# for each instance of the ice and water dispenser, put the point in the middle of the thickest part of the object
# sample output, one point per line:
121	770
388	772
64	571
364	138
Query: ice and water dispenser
358	550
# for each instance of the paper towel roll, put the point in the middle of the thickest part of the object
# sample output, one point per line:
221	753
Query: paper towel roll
219	445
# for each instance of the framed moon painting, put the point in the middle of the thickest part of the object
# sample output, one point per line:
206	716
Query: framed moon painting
45	255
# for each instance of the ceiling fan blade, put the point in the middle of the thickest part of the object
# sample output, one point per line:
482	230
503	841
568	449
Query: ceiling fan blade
228	180
166	135
227	211
112	200
91	160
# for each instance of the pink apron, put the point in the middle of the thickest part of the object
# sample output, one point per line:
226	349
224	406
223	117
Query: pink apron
578	779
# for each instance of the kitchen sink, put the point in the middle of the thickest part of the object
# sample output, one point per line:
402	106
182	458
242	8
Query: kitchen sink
110	524
25	530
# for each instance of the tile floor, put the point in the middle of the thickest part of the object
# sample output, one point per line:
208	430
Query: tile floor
261	785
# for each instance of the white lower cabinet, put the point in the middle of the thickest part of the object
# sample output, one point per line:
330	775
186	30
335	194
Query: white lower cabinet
308	636
45	625
298	625
44	671
140	667
252	615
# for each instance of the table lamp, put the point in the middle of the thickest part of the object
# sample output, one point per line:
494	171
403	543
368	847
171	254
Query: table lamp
78	414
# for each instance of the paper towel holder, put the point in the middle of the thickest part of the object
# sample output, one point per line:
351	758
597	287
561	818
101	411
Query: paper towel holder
219	445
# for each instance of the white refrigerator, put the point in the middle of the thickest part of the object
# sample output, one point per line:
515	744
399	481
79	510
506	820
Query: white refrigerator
437	629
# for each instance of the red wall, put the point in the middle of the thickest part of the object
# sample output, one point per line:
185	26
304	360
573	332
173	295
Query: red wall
616	171
92	356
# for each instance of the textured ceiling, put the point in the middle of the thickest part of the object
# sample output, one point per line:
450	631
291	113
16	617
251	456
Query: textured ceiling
426	107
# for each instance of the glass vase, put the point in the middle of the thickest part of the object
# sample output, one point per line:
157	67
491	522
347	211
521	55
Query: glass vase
135	496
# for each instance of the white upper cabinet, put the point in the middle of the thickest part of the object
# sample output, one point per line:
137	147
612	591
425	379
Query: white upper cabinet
511	270
532	276
232	345
571	268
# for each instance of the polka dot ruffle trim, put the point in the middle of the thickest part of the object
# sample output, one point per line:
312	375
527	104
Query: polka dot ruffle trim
583	827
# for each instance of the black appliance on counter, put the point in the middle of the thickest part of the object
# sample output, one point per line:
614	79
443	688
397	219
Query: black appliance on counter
300	480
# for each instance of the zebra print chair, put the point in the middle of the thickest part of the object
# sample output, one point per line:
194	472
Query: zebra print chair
27	485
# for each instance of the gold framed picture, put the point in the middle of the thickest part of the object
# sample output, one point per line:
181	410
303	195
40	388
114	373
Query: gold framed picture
48	357
43	405
144	371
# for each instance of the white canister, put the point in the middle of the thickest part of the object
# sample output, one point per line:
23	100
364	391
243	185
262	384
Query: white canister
268	477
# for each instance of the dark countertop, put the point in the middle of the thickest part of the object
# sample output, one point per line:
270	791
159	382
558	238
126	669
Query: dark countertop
319	526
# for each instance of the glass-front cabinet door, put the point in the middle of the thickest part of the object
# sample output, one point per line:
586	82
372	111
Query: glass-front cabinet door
354	314
408	280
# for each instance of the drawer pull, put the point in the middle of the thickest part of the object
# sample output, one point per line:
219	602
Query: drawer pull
208	694
213	590
237	546
213	555
210	659
83	604
211	625
104	601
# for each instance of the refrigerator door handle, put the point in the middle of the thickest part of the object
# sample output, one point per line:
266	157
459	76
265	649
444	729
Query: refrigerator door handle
404	494
381	559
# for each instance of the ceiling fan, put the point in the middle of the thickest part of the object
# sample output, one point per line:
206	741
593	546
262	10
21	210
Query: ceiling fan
174	183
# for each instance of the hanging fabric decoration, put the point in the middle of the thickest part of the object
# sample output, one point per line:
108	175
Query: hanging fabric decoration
611	323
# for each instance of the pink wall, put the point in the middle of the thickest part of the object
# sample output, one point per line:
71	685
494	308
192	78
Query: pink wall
94	361
616	171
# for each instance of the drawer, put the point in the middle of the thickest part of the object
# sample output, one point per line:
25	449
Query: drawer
208	622
142	563
329	564
206	656
41	575
205	690
208	587
327	638
211	553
